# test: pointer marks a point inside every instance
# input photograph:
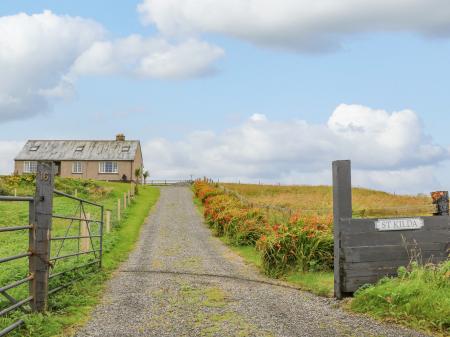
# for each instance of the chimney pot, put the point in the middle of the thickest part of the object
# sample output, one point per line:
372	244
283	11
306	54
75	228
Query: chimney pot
120	137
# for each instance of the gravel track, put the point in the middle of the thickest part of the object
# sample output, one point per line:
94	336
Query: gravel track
181	281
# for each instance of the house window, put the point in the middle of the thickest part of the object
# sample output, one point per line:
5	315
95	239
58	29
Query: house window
126	148
79	148
108	167
77	167
29	167
34	148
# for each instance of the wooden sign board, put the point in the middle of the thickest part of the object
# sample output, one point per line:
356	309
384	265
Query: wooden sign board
399	224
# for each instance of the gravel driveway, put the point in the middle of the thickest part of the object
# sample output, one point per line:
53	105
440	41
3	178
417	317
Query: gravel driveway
181	281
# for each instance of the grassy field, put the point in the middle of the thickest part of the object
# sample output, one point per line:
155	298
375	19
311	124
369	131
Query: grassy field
70	307
318	200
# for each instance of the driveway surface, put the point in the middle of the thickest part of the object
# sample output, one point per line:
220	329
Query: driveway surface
181	281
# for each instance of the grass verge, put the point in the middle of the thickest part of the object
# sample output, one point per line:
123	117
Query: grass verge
419	298
71	308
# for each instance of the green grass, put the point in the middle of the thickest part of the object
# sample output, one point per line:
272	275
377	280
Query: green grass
71	307
319	283
418	298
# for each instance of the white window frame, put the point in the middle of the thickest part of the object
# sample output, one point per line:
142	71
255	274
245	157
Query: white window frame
77	167
102	167
29	166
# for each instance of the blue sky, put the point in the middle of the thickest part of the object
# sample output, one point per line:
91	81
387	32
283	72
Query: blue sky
386	69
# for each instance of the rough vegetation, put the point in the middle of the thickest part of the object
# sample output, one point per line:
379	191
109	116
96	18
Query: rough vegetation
418	297
318	200
301	242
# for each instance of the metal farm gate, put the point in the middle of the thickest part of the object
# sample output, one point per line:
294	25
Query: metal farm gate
366	250
79	241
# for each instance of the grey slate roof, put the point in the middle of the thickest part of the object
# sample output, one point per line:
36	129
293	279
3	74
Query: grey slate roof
66	150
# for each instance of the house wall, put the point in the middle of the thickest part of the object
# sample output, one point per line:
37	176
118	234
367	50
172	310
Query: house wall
137	163
91	170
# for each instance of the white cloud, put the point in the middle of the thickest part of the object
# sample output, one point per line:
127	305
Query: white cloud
305	25
34	51
388	150
8	150
41	56
148	57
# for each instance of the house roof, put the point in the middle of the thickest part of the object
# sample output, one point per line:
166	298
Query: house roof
79	150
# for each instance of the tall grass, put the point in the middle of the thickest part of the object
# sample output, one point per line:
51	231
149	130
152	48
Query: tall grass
318	200
419	297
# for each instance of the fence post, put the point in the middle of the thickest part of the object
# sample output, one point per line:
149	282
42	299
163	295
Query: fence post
342	209
85	242
118	210
124	200
129	197
108	221
40	243
440	199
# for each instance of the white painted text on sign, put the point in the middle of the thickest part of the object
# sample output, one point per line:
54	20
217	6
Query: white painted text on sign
399	224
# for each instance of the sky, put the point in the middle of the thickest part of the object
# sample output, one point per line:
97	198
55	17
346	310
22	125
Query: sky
237	90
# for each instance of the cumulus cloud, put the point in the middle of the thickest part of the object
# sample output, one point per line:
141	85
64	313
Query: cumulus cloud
387	150
42	55
305	25
34	51
148	57
8	150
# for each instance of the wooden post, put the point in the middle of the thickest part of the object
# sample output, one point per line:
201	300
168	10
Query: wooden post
118	210
76	193
15	192
40	244
108	221
124	200
85	242
342	209
129	197
440	199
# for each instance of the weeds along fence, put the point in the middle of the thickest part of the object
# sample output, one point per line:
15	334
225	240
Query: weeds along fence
61	236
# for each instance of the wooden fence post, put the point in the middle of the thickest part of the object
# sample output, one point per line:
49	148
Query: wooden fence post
15	192
85	242
108	221
118	209
129	197
124	200
342	209
40	237
440	199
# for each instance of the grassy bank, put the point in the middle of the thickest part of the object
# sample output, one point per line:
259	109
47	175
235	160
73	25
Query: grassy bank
319	283
72	306
419	298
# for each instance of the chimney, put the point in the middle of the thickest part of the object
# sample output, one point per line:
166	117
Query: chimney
120	137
